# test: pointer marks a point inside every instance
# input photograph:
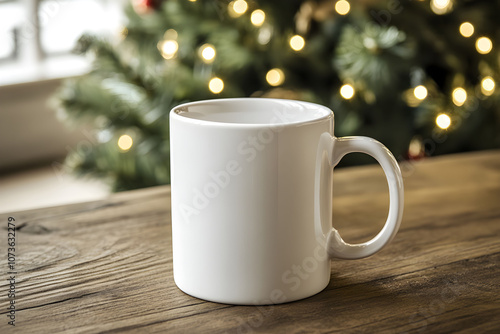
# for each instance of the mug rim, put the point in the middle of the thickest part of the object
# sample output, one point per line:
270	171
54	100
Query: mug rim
175	114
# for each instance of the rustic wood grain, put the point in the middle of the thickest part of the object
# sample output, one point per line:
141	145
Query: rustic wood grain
106	266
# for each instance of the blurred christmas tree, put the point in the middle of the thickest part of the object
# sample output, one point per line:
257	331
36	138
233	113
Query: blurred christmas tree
417	75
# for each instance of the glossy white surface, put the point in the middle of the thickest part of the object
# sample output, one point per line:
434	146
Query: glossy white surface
335	149
245	226
259	112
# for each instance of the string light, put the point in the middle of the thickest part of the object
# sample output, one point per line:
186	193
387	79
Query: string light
466	29
459	96
420	92
342	7
168	48
484	45
441	3
347	91
170	34
416	149
297	43
207	53
125	142
258	17
275	77
443	121
240	6
487	86
216	85
237	8
441	7
265	34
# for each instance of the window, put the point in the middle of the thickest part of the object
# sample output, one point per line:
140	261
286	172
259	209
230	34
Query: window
10	15
37	36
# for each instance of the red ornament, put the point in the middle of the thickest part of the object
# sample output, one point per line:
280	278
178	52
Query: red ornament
416	150
146	6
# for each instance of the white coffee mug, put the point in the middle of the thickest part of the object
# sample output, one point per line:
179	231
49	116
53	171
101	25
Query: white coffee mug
251	199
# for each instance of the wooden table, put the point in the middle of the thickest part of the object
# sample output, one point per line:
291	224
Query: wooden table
106	266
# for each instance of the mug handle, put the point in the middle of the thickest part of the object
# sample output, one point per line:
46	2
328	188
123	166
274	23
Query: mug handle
330	151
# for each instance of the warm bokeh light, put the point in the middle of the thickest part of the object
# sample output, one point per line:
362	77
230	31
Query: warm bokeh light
297	43
125	142
466	29
420	92
170	34
239	6
487	86
484	45
342	7
264	35
347	91
441	3
258	17
207	53
441	6
216	85
459	96
416	148
443	121
275	77
168	48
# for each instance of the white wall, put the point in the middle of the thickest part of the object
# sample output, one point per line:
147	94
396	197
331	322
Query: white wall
30	133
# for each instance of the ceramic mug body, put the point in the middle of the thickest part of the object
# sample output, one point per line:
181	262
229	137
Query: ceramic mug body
244	210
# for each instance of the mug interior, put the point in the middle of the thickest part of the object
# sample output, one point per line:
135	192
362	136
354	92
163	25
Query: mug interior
253	111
